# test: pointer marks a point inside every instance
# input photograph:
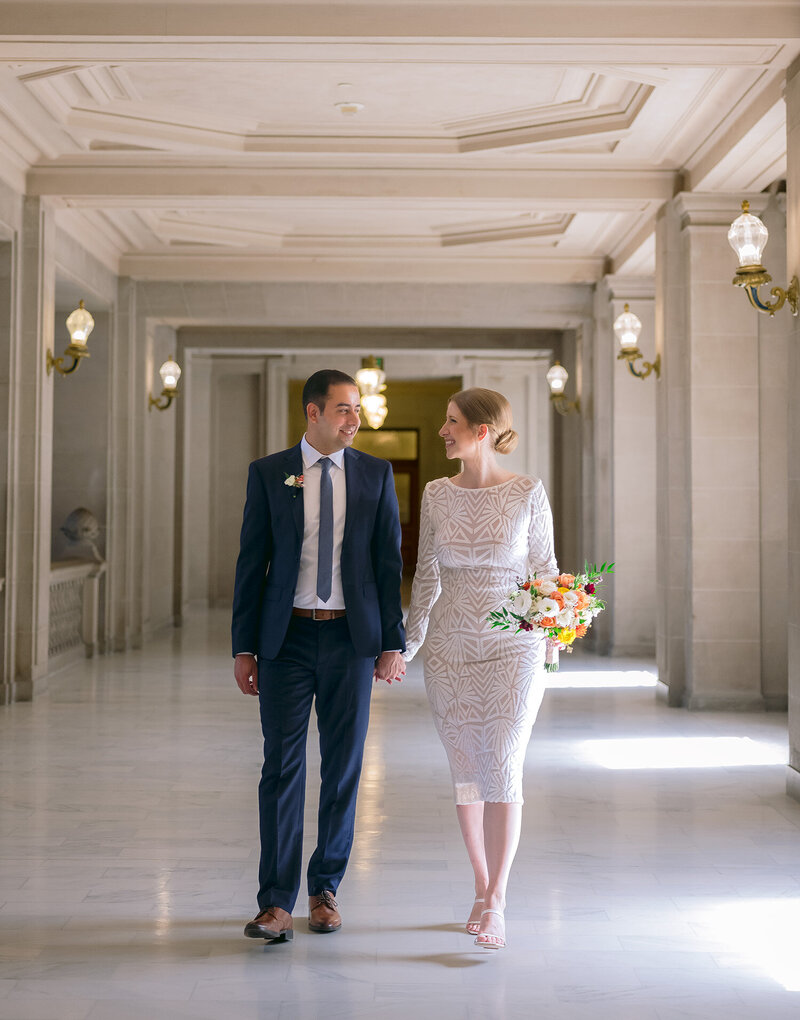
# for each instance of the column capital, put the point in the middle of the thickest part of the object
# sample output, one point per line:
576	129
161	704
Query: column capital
707	210
630	288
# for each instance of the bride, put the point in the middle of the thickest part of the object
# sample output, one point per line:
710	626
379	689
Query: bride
481	531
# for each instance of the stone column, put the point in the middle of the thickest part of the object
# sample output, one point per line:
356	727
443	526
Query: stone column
597	412
159	521
774	343
631	404
30	452
7	322
793	268
708	516
122	552
193	485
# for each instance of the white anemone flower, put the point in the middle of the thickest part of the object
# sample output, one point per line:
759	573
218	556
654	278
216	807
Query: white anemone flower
521	603
565	618
547	607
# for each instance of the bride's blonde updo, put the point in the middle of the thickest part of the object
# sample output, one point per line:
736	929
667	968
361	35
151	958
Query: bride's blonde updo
489	408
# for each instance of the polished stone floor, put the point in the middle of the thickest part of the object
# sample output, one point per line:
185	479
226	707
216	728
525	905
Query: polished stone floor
658	876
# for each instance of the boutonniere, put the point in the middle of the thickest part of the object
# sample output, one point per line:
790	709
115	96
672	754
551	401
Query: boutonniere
294	482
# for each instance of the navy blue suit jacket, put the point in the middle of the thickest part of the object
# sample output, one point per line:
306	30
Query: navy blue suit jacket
269	557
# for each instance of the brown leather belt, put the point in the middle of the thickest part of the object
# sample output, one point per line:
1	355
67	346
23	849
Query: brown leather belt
319	614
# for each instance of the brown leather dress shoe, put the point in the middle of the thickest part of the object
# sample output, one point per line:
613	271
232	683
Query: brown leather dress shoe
323	917
273	923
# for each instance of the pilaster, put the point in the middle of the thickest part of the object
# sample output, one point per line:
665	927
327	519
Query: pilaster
120	546
30	452
793	431
631	405
708	519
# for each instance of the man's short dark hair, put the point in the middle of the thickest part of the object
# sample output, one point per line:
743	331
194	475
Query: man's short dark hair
316	388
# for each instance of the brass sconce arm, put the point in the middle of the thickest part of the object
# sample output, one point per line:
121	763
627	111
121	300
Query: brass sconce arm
753	278
163	402
632	355
565	407
74	351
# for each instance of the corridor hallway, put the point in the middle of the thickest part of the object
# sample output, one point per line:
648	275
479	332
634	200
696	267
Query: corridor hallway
658	875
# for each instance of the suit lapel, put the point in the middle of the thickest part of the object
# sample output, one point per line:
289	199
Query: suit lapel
293	465
354	481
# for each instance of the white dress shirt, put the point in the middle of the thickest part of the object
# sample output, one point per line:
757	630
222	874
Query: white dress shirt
305	596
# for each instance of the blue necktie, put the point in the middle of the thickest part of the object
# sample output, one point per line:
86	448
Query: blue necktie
325	551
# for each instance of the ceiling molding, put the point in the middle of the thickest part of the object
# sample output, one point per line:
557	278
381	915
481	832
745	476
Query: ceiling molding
544	227
171	127
574	49
611	20
31	128
631	246
741	128
419	269
97	238
92	181
564	124
182	229
216	152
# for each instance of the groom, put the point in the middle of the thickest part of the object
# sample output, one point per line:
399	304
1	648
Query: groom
317	599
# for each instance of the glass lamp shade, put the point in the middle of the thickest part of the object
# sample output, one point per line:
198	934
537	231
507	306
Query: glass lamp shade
375	409
370	377
557	379
748	237
80	324
170	373
627	328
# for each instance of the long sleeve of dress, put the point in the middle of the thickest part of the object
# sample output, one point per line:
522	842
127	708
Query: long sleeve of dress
427	585
541	554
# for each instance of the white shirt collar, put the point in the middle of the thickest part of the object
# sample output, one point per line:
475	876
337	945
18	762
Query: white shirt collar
311	456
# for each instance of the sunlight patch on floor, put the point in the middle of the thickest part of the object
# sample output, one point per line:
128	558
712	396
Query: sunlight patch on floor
760	933
681	752
599	678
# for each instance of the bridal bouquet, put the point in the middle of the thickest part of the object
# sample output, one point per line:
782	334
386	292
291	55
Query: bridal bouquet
562	605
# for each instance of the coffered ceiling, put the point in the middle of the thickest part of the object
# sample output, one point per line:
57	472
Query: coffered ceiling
457	141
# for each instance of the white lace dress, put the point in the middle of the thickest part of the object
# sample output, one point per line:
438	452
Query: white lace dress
485	686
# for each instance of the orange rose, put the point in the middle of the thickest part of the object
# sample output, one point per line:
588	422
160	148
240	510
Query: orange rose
580	630
567	580
583	600
538	582
547	621
558	598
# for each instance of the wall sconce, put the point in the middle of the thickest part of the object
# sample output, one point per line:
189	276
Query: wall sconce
80	324
748	237
170	373
627	328
557	381
371	381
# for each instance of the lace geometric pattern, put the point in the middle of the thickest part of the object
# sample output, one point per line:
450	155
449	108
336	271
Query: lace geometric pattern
484	686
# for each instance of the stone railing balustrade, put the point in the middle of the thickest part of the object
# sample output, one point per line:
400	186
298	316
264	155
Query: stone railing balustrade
75	606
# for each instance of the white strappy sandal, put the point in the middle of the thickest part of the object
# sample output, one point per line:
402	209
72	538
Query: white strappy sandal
487	941
473	927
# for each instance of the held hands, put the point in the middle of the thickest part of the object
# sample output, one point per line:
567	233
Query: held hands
390	666
245	672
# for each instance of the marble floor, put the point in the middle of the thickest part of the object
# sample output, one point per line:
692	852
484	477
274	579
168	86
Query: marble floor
658	876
